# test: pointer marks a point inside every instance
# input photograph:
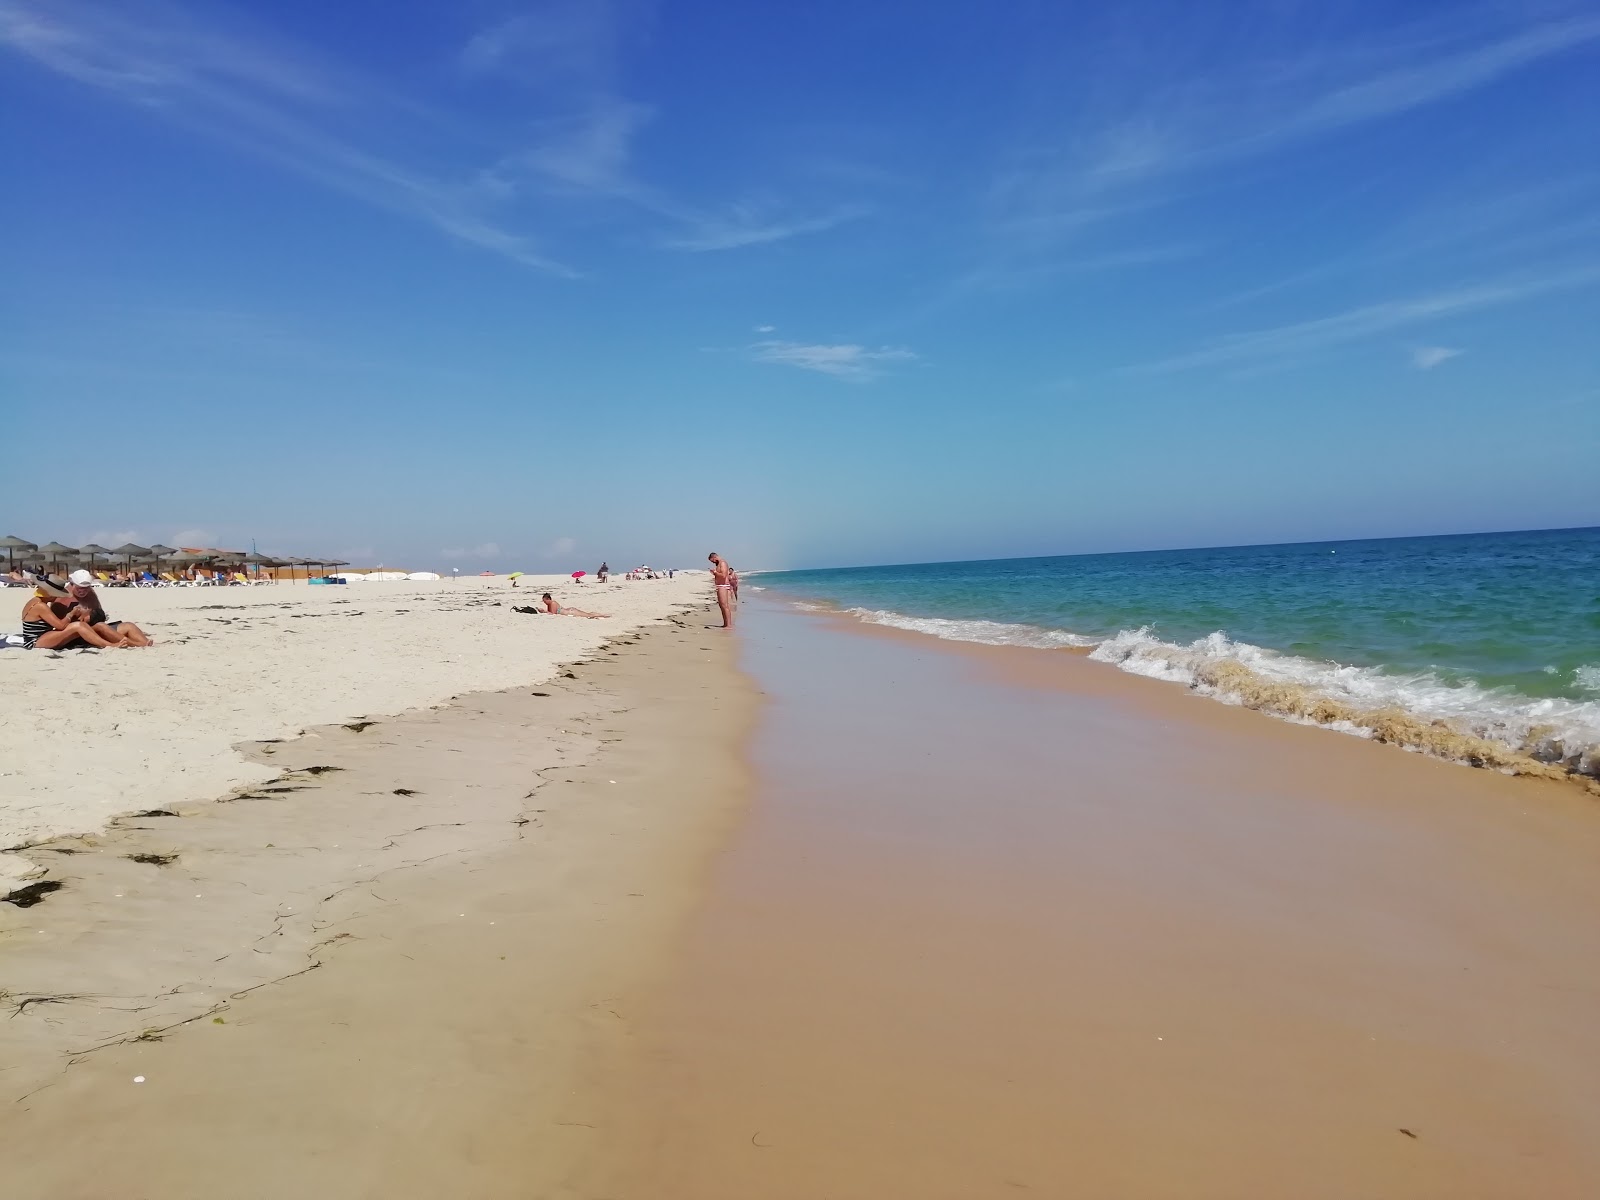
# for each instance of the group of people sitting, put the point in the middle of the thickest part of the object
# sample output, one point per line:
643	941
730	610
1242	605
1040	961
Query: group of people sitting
58	617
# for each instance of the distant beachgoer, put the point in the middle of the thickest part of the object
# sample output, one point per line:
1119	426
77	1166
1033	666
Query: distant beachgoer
733	578
46	626
561	610
722	577
88	609
604	572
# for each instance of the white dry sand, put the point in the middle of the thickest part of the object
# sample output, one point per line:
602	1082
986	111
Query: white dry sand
86	736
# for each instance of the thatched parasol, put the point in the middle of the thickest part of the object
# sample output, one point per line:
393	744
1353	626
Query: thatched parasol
258	560
129	551
12	544
91	551
54	552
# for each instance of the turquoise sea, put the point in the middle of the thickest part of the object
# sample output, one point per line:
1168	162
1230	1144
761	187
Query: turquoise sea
1497	634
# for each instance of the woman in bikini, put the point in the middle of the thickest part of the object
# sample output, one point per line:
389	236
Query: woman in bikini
561	610
45	623
722	579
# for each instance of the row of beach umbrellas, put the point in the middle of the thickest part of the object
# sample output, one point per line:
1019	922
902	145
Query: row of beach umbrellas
54	554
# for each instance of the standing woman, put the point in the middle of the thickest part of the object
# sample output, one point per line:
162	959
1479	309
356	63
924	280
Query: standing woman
46	627
722	578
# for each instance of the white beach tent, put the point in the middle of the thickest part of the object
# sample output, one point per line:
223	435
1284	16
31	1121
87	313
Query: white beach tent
423	575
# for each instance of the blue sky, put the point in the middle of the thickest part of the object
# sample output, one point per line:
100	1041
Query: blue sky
528	285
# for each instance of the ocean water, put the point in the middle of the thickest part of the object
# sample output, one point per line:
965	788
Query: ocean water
1491	636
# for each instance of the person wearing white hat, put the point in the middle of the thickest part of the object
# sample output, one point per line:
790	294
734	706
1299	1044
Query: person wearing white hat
92	613
48	625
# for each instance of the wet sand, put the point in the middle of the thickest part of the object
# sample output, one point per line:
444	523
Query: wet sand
1007	922
336	988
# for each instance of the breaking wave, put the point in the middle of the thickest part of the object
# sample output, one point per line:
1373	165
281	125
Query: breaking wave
989	633
1548	738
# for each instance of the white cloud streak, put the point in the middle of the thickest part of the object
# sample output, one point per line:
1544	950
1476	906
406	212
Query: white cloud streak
1287	342
261	99
744	226
1426	358
842	361
1130	152
272	100
1448	76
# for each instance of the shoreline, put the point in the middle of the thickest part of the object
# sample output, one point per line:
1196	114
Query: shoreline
1536	754
464	984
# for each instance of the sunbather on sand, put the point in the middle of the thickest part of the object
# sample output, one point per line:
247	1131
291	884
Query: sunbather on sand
46	626
561	610
88	609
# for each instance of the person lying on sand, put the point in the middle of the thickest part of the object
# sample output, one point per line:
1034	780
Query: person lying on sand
89	610
561	610
46	626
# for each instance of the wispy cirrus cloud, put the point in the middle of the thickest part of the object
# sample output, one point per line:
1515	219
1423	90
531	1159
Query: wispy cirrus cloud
840	360
266	98
1135	142
749	225
1286	343
571	51
1426	358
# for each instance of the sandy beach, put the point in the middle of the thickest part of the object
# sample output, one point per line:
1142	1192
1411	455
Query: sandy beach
389	971
822	909
85	736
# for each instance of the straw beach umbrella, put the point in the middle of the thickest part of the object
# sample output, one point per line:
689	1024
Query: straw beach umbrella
259	560
186	558
92	552
158	552
129	551
13	543
55	552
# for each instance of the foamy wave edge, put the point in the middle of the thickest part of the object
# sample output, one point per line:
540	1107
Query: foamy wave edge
1547	739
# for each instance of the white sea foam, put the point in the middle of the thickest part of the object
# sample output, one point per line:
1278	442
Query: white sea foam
989	633
1551	728
1498	715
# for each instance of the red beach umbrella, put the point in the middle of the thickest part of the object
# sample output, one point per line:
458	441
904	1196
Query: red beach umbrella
485	574
579	574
